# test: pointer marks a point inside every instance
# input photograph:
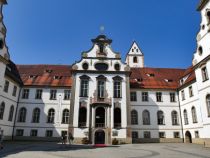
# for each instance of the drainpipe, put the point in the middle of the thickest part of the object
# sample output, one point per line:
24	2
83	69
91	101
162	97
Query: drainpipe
180	116
13	130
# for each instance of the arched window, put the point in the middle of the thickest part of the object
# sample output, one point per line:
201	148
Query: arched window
22	115
2	107
117	117
185	117
82	117
194	115
200	50
135	60
11	112
36	115
208	104
174	118
134	117
208	16
65	116
160	118
51	116
146	117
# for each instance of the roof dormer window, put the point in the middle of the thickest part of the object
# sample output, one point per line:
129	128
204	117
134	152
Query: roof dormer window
48	71
168	80
32	77
57	77
151	75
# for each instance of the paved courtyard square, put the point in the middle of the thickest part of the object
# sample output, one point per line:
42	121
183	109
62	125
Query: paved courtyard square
53	150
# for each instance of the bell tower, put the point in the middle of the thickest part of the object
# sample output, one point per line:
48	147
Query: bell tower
203	36
135	57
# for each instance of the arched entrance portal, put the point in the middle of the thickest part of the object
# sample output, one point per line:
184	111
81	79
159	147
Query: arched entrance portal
100	117
99	137
188	137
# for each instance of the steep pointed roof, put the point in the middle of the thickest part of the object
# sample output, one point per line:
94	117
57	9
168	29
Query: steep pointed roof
135	49
201	4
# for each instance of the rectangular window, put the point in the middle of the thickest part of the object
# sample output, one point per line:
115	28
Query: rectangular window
101	89
135	135
147	134
159	96
38	94
144	96
183	95
84	88
33	133
176	135
117	89
162	135
190	91
19	132
6	86
49	133
172	97
53	94
25	94
197	134
14	92
133	96
204	74
67	94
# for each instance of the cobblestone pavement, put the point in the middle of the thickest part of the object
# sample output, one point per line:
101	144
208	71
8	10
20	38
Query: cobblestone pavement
53	150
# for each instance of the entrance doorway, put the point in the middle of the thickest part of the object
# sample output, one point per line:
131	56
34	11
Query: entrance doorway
99	137
100	117
188	137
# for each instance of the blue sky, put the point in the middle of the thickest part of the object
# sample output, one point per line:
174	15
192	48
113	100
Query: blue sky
57	31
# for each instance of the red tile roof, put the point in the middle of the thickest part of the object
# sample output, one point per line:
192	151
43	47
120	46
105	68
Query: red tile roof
37	75
164	78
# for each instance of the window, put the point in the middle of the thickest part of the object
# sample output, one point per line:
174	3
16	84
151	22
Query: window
160	118
33	133
183	95
117	117
133	96
22	115
204	74
190	91
159	97
51	116
200	49
117	89
134	117
194	115
2	107
147	134
135	60
25	94
6	86
38	94
65	116
53	94
84	88
197	134
146	117
117	67
19	132
11	112
14	91
67	94
176	135
101	89
82	117
144	96
135	135
208	16
172	97
36	115
49	133
185	117
208	104
85	66
1	44
174	116
162	135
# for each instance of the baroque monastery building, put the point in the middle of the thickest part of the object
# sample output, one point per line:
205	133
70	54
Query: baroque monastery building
101	98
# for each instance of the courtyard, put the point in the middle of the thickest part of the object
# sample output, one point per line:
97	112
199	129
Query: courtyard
54	150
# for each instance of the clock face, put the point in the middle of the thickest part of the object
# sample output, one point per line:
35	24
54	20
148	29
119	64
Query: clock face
101	66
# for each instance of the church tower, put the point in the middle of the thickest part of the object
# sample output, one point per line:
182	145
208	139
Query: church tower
203	37
135	57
